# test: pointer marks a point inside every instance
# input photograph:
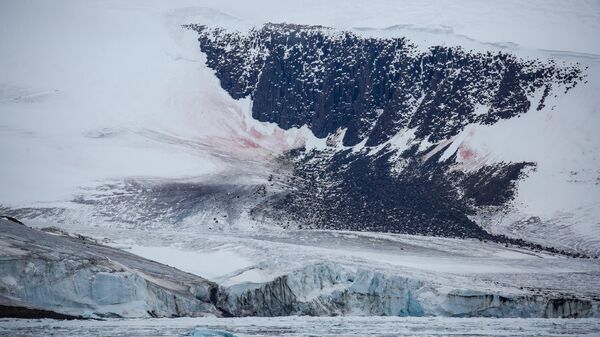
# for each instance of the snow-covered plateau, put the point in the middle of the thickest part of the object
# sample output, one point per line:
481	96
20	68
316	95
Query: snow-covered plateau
292	168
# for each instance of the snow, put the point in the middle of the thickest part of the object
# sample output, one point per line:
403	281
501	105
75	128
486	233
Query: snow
563	142
259	257
211	264
538	24
100	91
120	91
323	273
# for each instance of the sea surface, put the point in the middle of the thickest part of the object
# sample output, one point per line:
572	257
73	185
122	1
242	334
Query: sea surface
303	326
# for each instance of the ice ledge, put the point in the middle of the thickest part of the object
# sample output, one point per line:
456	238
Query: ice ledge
327	289
75	276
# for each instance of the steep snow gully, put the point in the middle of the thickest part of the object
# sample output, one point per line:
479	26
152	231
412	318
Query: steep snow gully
49	273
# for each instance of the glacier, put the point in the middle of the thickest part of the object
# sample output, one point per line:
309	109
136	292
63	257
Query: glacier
76	276
328	290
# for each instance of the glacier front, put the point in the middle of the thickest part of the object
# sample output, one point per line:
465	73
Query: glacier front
365	275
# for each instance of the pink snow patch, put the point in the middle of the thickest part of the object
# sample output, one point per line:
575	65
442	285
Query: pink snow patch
248	144
465	153
255	133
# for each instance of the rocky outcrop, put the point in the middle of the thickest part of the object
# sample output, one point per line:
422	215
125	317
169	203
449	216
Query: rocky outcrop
402	108
355	191
389	111
374	87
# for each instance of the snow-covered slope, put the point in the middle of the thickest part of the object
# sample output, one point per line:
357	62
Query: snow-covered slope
115	124
75	276
110	117
92	91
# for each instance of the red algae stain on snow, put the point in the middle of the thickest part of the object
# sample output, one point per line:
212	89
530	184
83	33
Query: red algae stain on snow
255	133
466	154
231	126
470	159
247	143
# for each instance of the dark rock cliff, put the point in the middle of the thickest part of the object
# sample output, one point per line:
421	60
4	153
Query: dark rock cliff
374	87
368	90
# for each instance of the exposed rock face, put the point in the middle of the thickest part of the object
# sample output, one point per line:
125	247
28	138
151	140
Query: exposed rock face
370	93
326	289
372	87
76	276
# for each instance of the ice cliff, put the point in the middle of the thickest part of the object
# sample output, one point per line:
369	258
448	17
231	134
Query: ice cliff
76	276
52	273
330	290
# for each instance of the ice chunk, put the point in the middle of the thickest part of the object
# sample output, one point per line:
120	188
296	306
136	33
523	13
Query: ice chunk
200	332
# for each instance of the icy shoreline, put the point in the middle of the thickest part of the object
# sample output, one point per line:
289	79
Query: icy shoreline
76	276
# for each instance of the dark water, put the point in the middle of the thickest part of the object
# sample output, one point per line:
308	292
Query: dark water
304	326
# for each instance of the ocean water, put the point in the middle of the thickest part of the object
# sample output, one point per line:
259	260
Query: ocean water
303	326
